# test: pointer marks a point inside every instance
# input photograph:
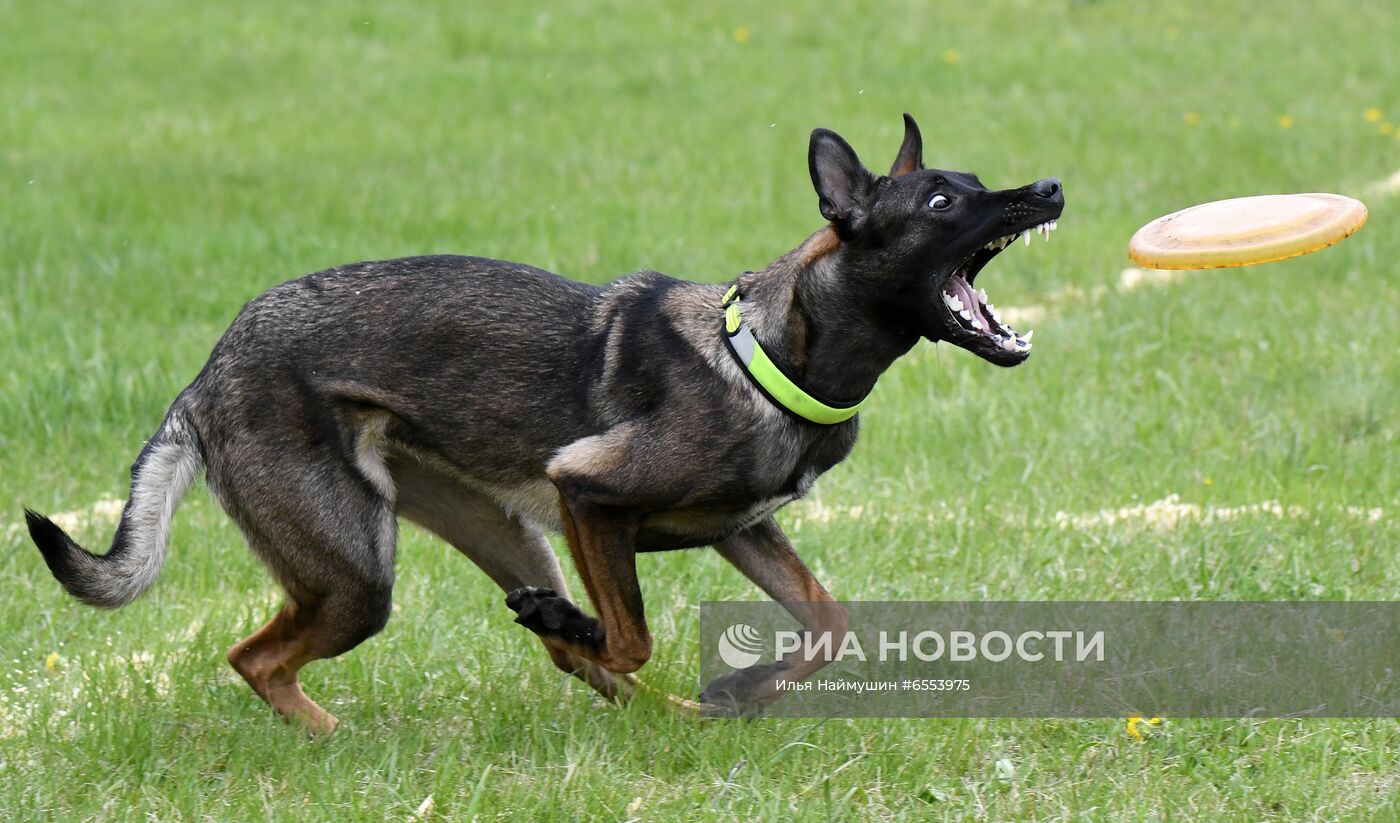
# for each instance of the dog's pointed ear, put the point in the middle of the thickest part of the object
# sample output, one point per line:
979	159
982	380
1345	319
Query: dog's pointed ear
842	183
911	152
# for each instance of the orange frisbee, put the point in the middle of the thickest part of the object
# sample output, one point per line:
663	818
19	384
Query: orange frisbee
1246	230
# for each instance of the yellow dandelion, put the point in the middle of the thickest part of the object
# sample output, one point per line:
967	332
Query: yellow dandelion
741	34
1386	128
1191	118
52	662
1135	724
1372	114
1285	121
951	57
1208	482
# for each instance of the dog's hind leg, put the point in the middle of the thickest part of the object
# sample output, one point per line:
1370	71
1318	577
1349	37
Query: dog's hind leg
271	658
309	627
328	537
513	553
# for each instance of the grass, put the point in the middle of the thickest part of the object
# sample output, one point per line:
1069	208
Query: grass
161	163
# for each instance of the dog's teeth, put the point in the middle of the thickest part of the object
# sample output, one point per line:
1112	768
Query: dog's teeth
1026	236
965	314
1027	336
1006	343
1053	224
982	293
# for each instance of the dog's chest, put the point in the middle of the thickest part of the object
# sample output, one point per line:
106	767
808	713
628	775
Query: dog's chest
748	488
707	522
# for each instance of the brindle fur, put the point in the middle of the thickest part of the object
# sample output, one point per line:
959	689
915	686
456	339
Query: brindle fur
490	402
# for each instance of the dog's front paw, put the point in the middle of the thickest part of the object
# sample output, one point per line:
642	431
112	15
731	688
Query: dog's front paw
526	595
545	613
744	692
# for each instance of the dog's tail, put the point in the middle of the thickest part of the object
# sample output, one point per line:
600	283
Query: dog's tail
161	475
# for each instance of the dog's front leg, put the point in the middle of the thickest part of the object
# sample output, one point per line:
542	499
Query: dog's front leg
763	553
601	540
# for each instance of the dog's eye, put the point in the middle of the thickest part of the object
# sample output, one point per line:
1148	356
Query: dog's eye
938	201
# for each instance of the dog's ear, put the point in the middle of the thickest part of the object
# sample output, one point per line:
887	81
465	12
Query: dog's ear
911	152
842	183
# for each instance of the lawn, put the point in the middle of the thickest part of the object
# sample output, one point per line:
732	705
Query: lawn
1222	435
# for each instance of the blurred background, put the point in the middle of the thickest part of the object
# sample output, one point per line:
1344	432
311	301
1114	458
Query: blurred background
1220	435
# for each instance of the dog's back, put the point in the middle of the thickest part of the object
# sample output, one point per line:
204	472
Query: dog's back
437	342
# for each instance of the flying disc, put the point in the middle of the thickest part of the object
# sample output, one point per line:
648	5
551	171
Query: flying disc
1246	230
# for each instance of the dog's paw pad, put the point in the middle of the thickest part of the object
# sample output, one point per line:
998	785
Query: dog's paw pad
543	612
526	595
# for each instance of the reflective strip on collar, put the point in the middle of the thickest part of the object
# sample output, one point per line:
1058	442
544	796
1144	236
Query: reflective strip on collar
771	379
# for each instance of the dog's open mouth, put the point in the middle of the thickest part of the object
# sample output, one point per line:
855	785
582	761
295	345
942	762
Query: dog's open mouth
973	310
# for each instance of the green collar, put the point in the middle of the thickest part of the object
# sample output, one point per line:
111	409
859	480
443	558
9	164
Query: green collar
765	374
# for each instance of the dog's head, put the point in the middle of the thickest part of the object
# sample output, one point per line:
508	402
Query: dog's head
916	240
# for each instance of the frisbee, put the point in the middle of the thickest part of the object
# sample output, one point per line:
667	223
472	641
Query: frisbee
1246	230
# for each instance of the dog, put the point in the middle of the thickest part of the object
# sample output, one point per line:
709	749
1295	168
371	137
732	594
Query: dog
491	402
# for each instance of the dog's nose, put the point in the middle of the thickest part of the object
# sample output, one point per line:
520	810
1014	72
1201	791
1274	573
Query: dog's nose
1049	187
1046	188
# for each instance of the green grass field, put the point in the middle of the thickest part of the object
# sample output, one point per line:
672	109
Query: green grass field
162	163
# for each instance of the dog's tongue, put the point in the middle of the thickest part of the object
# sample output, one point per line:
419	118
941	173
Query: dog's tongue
960	289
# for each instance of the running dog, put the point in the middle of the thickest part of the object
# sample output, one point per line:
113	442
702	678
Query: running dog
491	402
